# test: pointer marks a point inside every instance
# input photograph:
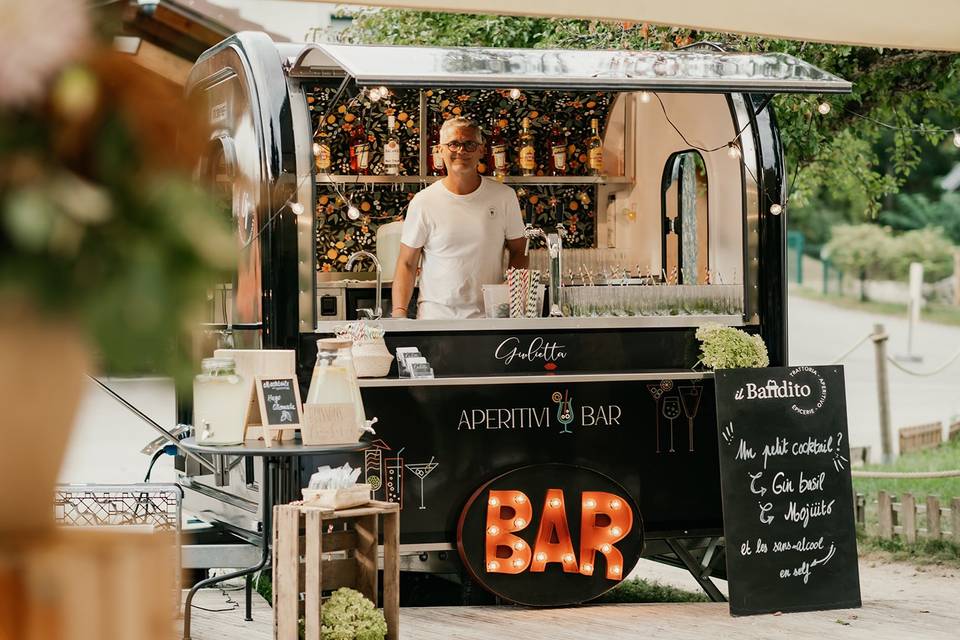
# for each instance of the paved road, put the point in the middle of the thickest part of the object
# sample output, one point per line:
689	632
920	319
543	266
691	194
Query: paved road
820	333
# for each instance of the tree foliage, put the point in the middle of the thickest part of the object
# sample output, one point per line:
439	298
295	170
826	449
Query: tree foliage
848	153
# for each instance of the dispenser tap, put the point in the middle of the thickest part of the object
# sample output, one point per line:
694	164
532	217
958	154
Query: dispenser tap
554	242
378	311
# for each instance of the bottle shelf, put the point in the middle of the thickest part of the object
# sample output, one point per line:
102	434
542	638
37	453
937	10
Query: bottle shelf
536	180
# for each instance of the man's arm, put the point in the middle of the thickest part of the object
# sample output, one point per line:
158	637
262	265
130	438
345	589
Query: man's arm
516	248
403	278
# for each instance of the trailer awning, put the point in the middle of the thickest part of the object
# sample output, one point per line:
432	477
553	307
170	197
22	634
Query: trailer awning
684	70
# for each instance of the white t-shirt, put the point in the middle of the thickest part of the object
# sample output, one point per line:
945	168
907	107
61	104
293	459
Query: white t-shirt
462	239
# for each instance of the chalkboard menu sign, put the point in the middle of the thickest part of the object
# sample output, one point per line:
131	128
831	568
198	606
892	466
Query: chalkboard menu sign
787	494
274	405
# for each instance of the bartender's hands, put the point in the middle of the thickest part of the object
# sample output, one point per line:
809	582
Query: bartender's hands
403	279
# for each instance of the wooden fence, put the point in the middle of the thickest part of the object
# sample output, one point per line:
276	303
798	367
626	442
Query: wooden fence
908	519
924	436
954	433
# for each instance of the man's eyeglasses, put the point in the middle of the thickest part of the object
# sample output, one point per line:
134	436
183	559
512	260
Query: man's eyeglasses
462	145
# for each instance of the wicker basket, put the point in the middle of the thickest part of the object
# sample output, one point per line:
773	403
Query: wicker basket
372	359
343	498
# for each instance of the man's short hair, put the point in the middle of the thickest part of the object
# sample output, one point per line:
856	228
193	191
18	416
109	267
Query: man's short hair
453	124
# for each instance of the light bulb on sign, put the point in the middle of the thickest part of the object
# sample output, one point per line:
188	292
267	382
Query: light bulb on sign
615	531
555	502
645	97
590	503
353	213
493	502
520	499
515	94
823	108
776	209
605	548
494	530
297	208
519	545
615	570
588	568
956	138
518	562
541	557
519	523
493	565
614	504
733	150
567	558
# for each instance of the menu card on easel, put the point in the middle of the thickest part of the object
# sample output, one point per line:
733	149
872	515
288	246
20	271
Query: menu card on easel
274	406
787	492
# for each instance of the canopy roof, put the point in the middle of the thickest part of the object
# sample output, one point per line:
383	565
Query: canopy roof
703	69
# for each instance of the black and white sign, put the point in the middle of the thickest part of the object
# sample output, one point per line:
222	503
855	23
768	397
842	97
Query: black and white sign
279	401
786	487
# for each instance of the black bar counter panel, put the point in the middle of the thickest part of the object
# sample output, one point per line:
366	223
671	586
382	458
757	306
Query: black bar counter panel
477	353
460	436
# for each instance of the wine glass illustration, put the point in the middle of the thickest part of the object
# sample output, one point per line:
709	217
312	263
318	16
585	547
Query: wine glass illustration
671	411
564	409
690	398
422	470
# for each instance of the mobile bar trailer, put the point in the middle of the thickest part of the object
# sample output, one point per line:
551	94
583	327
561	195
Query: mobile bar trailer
684	226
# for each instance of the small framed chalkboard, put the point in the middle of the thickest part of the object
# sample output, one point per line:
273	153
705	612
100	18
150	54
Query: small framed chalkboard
274	405
787	492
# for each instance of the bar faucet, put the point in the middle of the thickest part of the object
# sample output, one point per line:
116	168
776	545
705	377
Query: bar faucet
377	313
554	242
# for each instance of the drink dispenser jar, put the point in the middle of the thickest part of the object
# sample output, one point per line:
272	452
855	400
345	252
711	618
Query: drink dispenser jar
220	397
334	378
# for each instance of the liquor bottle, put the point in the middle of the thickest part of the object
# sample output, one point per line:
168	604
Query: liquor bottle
435	157
595	149
359	150
499	160
391	150
558	152
528	152
321	152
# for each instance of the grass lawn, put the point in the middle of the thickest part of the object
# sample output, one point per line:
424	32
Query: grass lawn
944	458
938	313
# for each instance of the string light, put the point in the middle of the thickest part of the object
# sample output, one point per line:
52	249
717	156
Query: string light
776	209
733	150
515	94
297	208
384	92
353	213
956	138
645	97
374	94
823	108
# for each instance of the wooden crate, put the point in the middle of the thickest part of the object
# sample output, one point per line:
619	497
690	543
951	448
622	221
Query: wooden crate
88	584
924	436
319	550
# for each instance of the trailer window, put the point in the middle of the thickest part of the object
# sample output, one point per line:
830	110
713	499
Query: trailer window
684	218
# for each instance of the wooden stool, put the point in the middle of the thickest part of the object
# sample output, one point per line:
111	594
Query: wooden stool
355	531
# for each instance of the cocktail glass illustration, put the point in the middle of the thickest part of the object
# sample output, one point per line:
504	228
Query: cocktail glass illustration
564	409
656	392
690	398
393	478
671	411
422	470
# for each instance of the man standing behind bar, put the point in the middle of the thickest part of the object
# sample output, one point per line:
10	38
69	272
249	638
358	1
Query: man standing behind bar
460	225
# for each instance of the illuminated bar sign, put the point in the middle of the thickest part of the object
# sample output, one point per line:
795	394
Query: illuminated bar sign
550	535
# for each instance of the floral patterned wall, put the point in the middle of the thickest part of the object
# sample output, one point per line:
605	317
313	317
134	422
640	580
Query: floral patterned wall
545	206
